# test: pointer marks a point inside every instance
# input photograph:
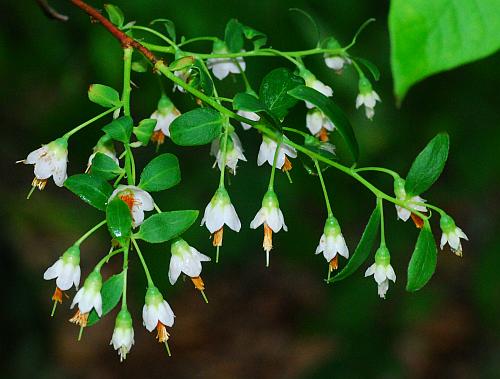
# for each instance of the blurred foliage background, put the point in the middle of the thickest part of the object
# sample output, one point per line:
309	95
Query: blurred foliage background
281	322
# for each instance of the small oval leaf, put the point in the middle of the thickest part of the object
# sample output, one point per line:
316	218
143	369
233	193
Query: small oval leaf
161	173
164	226
115	14
423	260
104	96
120	129
111	293
144	130
91	189
119	220
197	127
104	167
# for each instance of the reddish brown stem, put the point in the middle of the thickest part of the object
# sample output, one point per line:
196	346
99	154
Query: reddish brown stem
124	39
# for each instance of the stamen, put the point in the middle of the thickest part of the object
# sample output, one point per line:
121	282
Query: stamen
217	241
158	137
287	166
267	244
198	283
419	223
39	183
323	135
57	296
128	198
161	333
334	263
80	319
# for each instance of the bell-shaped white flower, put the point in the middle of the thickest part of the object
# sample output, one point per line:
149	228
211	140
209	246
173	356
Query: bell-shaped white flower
251	116
234	152
49	160
318	123
123	334
220	212
137	200
268	148
367	97
404	213
165	113
185	259
332	241
451	234
66	270
88	298
222	67
157	314
184	75
271	216
336	62
104	146
382	270
316	84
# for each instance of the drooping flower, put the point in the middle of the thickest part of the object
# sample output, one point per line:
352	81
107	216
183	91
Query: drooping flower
335	61
49	160
267	150
88	298
123	334
66	271
318	124
184	75
220	212
137	200
316	84
188	260
332	243
222	67
382	270
412	203
251	116
165	113
234	152
451	234
104	146
157	313
367	97
271	216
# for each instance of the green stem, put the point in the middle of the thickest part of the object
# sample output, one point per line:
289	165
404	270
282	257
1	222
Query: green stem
196	39
106	258
296	131
156	33
380	205
273	169
144	265
130	167
380	169
325	193
89	233
224	149
86	123
127	66
248	87
125	270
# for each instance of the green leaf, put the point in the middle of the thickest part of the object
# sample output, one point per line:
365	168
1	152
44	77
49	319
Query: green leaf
333	112
91	189
325	149
119	220
430	36
104	167
274	91
423	260
258	39
428	165
181	63
104	96
233	36
161	173
169	26
201	79
197	127
164	226
120	129
363	249
370	66
144	130
247	102
111	293
115	14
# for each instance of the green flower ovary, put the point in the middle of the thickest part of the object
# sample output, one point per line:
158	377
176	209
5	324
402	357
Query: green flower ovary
72	256
153	296
270	200
382	256
447	224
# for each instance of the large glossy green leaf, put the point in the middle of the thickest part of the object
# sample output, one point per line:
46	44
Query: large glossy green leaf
111	293
104	96
274	91
363	249
119	220
164	226
423	260
120	129
332	111
91	189
429	36
161	173
104	167
197	127
247	102
428	165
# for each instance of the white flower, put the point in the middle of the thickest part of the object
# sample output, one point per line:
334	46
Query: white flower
222	67
251	116
89	296
367	97
137	200
316	121
220	212
268	148
404	213
451	235
332	241
49	160
185	259
165	113
336	62
66	270
316	84
382	271
271	216
234	152
184	75
123	334
156	310
104	146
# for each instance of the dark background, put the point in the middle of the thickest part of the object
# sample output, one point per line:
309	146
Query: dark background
281	322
